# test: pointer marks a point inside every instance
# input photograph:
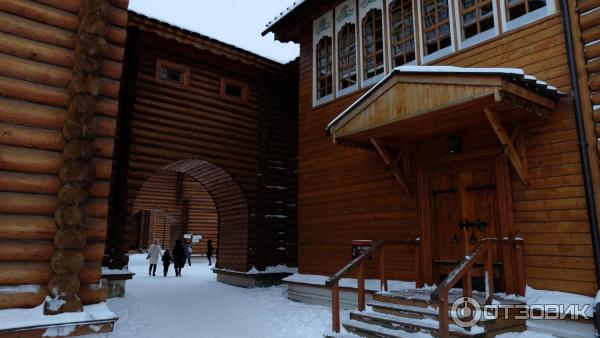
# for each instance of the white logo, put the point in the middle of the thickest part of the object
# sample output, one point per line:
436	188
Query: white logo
466	312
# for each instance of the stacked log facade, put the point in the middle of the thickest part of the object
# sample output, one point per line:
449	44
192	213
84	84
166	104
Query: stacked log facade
41	72
169	124
345	193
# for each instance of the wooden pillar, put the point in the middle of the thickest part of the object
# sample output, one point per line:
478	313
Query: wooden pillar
78	171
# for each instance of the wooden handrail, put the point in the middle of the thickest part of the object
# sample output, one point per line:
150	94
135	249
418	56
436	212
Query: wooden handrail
463	271
359	262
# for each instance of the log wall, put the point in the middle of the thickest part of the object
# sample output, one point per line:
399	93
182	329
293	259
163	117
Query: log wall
37	40
344	193
250	141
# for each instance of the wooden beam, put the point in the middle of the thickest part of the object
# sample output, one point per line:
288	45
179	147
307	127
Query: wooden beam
519	165
387	159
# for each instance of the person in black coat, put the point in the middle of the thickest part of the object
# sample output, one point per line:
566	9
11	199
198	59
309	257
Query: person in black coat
166	259
209	251
178	257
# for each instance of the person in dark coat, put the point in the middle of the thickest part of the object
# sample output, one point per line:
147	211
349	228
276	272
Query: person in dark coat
166	259
178	257
209	251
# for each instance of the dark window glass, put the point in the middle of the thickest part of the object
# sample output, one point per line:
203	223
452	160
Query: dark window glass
373	43
324	67
235	91
171	74
477	16
436	26
518	8
347	56
402	32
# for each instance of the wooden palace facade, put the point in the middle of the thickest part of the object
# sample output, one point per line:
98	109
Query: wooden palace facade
447	158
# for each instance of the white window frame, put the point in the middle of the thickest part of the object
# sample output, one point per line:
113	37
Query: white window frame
326	18
527	18
362	11
481	37
442	52
339	24
388	29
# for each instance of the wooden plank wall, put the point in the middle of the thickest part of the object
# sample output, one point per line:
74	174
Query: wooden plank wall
160	192
171	124
37	39
344	194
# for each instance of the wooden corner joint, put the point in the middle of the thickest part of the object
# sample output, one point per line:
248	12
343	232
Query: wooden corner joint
514	145
398	164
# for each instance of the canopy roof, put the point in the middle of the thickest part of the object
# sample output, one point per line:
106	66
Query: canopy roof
415	102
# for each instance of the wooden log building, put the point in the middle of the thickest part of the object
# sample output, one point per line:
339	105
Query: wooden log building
109	118
502	148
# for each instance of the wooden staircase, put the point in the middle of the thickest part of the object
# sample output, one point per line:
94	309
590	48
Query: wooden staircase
411	313
421	312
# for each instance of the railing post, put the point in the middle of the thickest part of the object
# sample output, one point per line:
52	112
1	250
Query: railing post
382	272
361	287
443	315
489	278
335	306
418	282
520	268
468	284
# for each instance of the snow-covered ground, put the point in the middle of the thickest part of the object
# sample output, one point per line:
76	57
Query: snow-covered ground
196	305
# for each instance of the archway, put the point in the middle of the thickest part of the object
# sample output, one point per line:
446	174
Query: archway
205	199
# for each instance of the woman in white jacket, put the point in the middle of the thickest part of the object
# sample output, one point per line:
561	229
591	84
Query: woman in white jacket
154	253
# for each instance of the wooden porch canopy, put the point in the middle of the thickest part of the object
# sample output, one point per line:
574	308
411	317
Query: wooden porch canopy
419	102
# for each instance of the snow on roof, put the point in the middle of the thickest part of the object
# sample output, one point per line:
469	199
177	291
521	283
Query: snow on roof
282	15
515	75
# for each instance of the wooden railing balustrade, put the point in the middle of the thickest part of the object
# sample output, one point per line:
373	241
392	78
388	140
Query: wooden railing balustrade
464	271
359	263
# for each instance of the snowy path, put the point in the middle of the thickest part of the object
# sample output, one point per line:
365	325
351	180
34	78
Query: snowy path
195	305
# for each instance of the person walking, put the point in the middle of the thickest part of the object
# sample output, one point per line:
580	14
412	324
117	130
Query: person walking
187	247
209	251
166	259
178	257
154	252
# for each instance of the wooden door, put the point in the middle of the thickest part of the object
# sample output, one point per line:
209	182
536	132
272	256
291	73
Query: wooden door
464	210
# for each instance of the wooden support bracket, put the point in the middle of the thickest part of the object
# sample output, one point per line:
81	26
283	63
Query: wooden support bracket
515	141
393	163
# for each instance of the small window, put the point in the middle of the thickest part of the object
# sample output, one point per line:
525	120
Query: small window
347	56
436	26
372	26
172	74
518	8
402	32
234	90
477	16
324	67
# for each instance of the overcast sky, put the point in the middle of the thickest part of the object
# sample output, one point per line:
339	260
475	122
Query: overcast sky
238	22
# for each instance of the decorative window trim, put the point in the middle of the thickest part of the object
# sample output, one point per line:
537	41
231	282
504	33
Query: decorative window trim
364	7
481	37
388	25
349	9
323	27
161	63
444	51
243	86
527	18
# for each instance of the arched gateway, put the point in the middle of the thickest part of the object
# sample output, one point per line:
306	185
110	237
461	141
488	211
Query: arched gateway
228	200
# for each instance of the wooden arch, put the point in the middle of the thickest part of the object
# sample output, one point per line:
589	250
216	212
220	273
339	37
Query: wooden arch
231	205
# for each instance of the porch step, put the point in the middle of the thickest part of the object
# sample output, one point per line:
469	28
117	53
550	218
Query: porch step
364	329
411	313
406	326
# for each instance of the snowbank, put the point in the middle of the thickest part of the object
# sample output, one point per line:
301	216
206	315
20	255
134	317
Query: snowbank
19	318
370	284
